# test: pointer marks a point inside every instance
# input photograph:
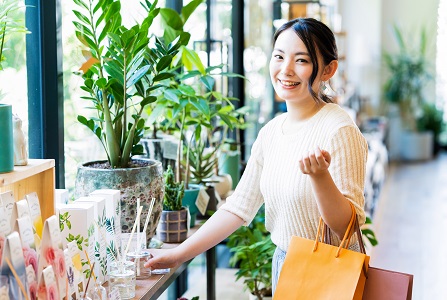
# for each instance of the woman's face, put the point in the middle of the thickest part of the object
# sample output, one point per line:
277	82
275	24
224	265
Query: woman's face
291	68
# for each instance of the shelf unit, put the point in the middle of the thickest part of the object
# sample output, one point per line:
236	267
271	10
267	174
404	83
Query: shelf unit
38	176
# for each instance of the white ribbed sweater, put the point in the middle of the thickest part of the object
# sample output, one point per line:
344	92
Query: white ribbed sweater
273	176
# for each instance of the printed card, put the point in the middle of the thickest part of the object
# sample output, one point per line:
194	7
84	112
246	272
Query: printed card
48	286
74	253
9	201
35	212
100	234
5	229
13	257
51	254
29	252
72	292
202	200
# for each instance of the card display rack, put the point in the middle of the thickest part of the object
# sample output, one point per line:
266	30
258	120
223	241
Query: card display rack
38	176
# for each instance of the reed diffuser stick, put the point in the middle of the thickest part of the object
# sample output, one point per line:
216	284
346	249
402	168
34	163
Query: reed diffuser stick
149	213
20	283
137	250
133	230
88	281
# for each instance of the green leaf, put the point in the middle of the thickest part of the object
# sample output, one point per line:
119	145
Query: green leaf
163	76
164	62
188	9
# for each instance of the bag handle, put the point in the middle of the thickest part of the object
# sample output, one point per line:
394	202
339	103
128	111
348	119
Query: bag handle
345	240
327	235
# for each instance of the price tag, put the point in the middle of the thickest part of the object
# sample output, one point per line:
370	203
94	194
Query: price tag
202	201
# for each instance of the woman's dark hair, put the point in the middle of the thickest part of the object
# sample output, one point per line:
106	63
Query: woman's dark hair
317	37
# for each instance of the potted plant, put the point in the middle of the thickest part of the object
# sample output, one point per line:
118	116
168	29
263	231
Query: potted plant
409	73
252	251
9	24
189	106
173	225
431	119
125	71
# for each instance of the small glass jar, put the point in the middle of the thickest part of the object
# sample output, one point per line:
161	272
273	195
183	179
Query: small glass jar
98	292
140	258
124	281
127	265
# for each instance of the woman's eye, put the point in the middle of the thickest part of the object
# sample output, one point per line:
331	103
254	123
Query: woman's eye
301	60
277	56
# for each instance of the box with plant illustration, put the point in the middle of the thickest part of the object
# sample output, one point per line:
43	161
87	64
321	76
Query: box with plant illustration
77	223
100	257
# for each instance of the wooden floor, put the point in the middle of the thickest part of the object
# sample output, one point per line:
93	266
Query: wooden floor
411	225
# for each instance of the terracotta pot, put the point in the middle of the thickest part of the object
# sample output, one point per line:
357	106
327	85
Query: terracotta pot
145	182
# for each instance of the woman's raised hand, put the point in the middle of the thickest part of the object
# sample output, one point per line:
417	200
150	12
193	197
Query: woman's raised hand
315	162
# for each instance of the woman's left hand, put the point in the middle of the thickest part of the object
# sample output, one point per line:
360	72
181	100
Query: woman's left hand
315	162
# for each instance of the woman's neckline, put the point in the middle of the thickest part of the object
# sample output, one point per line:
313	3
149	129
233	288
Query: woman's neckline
301	125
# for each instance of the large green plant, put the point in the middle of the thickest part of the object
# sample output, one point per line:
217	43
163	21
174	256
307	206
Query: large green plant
409	73
126	70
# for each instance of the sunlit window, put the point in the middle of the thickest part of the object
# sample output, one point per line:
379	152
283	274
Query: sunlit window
13	83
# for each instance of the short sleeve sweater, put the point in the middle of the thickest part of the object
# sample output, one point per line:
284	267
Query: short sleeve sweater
273	177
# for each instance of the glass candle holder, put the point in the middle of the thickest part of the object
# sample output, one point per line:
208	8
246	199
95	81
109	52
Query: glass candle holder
124	281
139	258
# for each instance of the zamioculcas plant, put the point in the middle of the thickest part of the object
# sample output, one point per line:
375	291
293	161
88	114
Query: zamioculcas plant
125	70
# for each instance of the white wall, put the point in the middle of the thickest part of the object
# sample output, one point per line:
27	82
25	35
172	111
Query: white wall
361	20
367	24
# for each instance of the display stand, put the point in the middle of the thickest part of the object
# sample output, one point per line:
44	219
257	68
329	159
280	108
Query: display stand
38	176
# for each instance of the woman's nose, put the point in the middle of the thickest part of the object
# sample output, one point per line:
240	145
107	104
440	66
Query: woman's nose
287	69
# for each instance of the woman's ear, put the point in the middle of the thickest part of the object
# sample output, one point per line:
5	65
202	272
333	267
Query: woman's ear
329	70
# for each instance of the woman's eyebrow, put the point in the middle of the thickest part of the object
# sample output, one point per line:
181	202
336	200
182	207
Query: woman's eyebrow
297	53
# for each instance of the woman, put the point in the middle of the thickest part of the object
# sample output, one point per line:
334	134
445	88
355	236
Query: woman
306	163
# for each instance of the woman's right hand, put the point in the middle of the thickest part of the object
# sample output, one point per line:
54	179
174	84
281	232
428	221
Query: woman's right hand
163	258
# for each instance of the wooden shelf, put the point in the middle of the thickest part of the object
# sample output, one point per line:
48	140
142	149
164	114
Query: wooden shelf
38	176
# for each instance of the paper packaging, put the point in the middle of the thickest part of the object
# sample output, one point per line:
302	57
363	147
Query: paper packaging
35	212
113	222
52	254
100	235
25	229
61	196
13	252
81	217
113	207
9	204
49	282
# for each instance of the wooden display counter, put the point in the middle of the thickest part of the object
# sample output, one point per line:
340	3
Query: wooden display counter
37	176
153	287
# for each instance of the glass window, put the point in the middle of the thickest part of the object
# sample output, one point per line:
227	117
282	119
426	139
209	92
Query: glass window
13	87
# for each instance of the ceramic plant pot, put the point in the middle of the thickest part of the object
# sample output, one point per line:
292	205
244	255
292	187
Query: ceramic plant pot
173	226
189	200
144	181
6	138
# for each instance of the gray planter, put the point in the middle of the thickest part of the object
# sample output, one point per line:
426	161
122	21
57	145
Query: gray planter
173	226
144	182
